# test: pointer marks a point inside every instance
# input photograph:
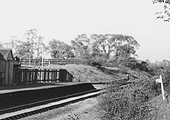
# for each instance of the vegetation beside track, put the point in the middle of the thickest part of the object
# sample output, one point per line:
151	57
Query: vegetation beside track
128	102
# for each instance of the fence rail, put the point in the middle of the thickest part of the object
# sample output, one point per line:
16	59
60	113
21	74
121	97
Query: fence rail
31	76
38	62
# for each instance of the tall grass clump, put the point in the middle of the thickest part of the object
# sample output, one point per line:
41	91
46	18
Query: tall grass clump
129	103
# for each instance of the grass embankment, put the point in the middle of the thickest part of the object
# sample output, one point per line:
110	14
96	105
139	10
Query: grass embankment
138	100
126	103
85	73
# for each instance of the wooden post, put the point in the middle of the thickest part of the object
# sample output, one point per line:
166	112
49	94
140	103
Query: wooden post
29	76
44	74
56	77
40	74
25	76
49	64
32	75
48	75
22	76
42	57
52	75
35	76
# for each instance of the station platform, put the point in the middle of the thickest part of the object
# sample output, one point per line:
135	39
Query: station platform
11	96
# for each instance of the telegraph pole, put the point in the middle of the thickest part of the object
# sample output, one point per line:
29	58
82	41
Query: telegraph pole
42	50
42	57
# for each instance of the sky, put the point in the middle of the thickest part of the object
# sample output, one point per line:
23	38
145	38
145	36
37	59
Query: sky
64	20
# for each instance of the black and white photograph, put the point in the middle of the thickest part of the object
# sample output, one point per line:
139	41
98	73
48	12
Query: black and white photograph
84	59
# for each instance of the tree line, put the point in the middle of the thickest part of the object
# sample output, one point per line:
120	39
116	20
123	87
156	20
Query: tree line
165	13
83	46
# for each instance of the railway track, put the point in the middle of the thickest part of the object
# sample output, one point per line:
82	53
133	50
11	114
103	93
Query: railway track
22	111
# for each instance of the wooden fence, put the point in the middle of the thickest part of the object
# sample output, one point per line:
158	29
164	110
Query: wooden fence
38	62
31	76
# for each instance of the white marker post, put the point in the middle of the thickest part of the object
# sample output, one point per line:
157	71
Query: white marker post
162	87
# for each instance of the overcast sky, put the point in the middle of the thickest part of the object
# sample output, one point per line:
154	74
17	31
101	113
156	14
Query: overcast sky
65	19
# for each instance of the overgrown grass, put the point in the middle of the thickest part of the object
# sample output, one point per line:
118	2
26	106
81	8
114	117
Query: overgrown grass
130	103
85	73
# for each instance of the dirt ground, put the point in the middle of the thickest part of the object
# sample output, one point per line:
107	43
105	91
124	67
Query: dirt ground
82	110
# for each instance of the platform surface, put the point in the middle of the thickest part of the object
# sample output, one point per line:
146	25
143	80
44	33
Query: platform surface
12	96
16	88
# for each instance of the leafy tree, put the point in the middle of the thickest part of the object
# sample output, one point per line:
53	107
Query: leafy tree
115	44
12	42
82	46
30	36
39	47
23	50
36	43
105	45
165	13
60	49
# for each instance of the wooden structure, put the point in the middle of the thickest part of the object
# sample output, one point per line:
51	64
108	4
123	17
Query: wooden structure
32	76
38	62
10	72
9	64
2	69
16	63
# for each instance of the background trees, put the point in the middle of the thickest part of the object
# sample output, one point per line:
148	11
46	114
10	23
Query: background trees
23	50
82	46
105	46
35	42
165	13
59	49
94	47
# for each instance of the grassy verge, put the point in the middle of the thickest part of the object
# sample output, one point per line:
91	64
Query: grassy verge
130	102
85	73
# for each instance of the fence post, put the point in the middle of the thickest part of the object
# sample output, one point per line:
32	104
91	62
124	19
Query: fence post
29	76
44	74
35	76
25	76
55	75
48	72
40	75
